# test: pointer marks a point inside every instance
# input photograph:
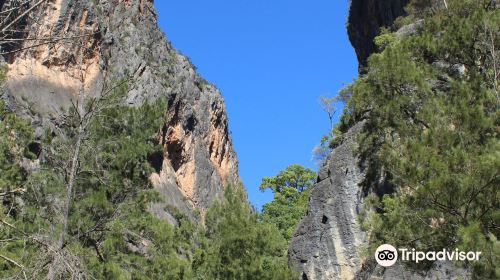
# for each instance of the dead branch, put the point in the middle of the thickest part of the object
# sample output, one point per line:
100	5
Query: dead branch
14	191
14	8
22	15
42	43
12	261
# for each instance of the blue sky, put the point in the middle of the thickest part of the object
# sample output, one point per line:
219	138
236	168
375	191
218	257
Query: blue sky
271	59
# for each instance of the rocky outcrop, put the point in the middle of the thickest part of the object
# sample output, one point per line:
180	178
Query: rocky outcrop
366	17
95	44
327	241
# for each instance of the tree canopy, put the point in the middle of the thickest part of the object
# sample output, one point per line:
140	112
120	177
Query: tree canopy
291	189
294	176
431	104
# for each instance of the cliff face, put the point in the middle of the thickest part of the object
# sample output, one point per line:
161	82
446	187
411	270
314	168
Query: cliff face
329	241
98	43
366	17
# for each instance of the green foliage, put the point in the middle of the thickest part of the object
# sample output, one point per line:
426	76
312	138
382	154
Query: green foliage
15	135
433	133
111	235
120	238
286	210
237	245
423	8
385	38
294	176
291	189
403	20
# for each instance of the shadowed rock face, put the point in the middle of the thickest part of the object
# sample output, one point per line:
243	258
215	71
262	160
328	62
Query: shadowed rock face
125	41
328	243
328	240
366	17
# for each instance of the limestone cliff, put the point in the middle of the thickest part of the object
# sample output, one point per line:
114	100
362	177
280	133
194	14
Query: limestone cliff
329	242
326	242
69	48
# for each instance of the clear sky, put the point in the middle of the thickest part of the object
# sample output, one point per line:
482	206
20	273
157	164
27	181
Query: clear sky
271	59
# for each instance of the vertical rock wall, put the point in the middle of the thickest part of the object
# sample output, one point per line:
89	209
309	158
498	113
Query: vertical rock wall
366	17
329	243
106	41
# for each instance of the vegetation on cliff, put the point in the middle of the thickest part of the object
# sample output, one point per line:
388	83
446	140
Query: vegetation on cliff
74	203
109	232
432	108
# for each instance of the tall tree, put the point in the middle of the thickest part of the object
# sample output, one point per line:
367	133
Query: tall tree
237	245
294	176
291	189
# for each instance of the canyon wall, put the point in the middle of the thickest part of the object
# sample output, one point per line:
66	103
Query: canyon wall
366	17
73	49
329	242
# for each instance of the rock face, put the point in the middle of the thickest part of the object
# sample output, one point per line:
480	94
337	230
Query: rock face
366	17
96	44
440	270
327	240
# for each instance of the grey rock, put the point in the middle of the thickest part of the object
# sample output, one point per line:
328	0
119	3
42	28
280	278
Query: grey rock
409	29
438	271
451	69
136	243
327	241
126	43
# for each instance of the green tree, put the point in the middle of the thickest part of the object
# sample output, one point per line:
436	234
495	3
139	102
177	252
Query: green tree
15	136
113	191
237	245
294	176
110	233
291	189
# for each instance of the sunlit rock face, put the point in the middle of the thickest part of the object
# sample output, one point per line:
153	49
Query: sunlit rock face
103	42
327	241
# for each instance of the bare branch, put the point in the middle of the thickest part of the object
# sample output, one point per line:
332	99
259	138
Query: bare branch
14	8
12	261
14	191
22	15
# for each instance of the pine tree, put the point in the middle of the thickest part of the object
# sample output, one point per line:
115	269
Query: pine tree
237	245
431	105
